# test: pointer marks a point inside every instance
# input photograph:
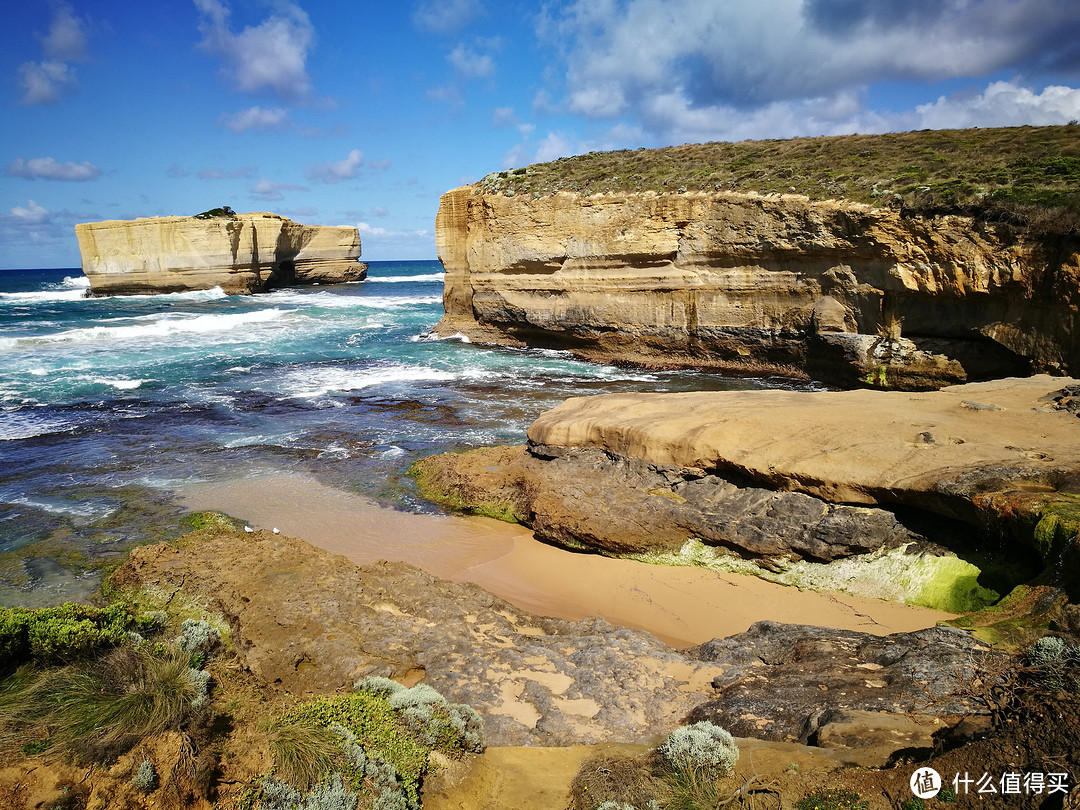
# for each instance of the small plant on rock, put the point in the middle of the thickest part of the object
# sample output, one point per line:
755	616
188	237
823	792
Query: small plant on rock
701	746
146	777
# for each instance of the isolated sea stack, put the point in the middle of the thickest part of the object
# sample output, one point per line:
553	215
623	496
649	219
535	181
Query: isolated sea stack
910	261
240	253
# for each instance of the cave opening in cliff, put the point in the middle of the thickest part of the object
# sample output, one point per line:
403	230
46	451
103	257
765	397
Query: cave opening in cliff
283	275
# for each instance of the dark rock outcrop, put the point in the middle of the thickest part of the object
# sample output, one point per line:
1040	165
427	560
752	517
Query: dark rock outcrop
798	683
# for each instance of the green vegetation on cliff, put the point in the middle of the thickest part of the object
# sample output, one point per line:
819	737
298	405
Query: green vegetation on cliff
1027	175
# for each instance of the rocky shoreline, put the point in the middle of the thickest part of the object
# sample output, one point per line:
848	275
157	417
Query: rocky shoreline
796	482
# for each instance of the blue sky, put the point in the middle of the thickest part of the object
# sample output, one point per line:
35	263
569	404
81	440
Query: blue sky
363	113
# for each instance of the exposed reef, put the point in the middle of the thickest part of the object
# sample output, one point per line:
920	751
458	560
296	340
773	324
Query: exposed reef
845	292
305	620
911	488
240	253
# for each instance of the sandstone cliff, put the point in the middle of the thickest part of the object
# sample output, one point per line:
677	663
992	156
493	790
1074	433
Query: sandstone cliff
846	292
244	253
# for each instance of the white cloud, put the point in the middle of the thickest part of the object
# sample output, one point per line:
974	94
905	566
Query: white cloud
721	67
516	156
554	145
49	169
66	40
269	56
33	214
45	81
469	64
388	243
257	118
1003	104
337	171
446	16
269	191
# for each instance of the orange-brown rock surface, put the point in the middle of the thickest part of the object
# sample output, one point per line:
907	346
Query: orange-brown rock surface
849	293
243	253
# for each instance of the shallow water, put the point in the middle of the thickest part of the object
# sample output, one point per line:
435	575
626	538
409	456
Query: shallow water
111	406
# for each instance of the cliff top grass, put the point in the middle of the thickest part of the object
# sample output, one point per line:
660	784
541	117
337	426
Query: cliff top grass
1027	175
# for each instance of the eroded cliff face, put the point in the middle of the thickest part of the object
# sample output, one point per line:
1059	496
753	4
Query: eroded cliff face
847	293
249	253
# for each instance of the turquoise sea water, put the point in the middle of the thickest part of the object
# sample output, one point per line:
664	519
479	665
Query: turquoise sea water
109	406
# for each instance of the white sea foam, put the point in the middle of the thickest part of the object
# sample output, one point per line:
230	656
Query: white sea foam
428	277
432	337
212	294
42	296
162	326
318	382
76	282
82	509
331	300
122	385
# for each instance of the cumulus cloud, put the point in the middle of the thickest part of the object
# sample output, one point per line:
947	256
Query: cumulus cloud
44	82
399	243
257	118
1003	104
685	66
446	16
66	39
32	214
49	169
269	56
269	191
470	64
554	145
336	171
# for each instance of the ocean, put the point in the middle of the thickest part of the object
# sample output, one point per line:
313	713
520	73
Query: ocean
112	407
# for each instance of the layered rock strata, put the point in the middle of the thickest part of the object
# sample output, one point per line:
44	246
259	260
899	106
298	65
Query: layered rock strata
782	476
311	622
850	294
244	253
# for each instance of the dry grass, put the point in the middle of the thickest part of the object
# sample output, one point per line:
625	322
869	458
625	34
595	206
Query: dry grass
1027	175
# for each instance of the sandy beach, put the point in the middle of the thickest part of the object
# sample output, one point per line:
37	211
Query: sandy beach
681	606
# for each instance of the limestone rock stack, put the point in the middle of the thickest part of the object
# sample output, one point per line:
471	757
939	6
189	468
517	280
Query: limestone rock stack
242	253
849	293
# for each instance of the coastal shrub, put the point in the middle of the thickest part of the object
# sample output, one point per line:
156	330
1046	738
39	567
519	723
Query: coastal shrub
378	738
304	750
197	637
1048	650
146	777
223	212
1056	663
834	799
278	795
701	746
95	711
378	685
394	756
52	634
333	794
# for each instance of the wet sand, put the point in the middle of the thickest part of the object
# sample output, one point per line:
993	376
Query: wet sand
681	606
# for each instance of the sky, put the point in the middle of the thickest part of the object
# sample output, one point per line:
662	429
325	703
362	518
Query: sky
362	113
